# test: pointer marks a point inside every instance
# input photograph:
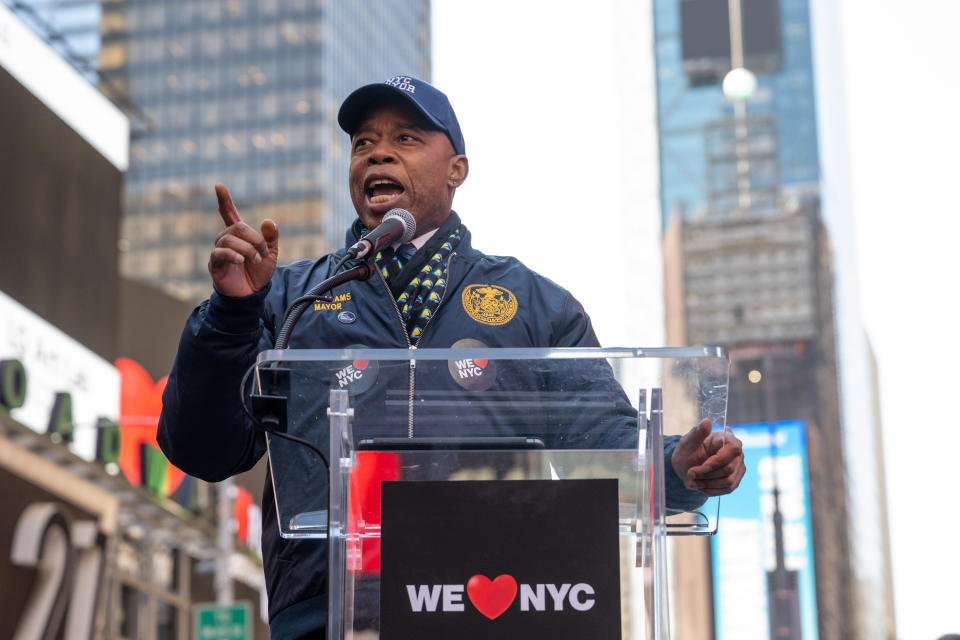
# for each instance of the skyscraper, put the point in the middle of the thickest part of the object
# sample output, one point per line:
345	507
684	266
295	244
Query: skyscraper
245	93
759	260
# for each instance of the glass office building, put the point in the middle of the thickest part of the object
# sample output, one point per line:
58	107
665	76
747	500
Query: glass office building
764	267
693	111
245	93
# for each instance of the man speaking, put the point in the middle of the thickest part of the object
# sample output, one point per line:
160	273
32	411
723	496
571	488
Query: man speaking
407	152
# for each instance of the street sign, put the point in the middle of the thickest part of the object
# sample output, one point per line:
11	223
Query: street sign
222	621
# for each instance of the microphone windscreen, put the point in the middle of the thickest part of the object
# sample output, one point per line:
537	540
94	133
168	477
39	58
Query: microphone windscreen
406	218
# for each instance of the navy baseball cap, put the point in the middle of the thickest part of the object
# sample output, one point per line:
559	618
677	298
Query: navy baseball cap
428	100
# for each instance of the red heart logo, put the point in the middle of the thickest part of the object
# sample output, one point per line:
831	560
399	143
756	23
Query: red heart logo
492	597
480	363
360	364
140	404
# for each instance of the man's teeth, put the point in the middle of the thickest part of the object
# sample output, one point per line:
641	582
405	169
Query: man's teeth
381	184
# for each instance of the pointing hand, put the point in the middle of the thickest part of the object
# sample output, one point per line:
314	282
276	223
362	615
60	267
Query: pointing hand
243	260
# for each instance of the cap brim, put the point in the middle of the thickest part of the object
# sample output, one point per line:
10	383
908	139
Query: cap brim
359	103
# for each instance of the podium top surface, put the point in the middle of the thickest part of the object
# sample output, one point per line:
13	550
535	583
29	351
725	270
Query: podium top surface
526	353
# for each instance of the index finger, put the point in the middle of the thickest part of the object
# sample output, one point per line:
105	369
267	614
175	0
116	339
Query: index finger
228	211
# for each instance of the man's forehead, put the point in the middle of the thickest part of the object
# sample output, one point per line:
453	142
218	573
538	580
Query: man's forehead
398	115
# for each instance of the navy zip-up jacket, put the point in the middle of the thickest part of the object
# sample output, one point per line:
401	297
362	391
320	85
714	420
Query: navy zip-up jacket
204	431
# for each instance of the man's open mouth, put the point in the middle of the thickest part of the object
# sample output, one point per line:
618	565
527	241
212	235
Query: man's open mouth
383	190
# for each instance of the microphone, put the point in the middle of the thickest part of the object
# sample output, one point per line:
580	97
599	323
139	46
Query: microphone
398	226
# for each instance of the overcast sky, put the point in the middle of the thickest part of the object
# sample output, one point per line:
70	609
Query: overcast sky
900	61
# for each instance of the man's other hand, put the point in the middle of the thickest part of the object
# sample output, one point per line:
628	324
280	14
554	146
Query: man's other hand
243	260
710	462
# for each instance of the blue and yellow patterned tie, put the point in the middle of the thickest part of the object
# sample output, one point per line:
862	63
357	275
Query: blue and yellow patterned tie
421	297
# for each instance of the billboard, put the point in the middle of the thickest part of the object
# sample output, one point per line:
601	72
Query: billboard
51	383
763	571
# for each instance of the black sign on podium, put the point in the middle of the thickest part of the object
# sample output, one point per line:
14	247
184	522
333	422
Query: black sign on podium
500	559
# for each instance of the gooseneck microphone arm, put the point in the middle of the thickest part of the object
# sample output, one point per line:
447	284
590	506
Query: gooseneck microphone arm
274	423
397	226
298	306
271	424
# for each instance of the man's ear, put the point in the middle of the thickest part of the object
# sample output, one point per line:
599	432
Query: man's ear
457	171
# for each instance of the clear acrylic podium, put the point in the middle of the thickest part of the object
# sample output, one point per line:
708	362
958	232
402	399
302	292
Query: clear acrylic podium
572	413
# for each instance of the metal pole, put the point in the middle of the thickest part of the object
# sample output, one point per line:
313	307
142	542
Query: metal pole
736	34
222	582
739	109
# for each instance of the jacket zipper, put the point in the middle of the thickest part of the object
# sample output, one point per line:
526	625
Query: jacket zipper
413	365
410	345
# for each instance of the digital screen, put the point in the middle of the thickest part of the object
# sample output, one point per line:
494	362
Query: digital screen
763	571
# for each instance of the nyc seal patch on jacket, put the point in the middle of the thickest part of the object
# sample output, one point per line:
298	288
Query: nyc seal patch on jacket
489	304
